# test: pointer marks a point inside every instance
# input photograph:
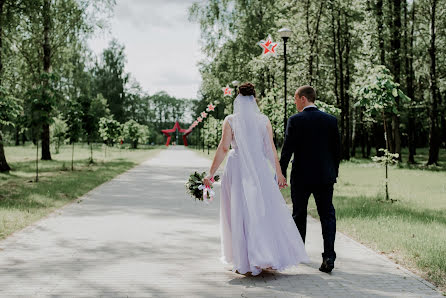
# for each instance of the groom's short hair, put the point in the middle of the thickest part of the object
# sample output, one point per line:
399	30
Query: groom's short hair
308	92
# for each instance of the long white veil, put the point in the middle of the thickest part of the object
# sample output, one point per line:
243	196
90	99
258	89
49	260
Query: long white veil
255	154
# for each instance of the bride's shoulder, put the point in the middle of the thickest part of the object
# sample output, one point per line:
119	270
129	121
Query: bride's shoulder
264	118
229	117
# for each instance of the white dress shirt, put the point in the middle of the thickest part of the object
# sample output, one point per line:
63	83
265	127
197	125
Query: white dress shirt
310	106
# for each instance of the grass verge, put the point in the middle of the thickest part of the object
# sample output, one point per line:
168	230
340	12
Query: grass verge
23	201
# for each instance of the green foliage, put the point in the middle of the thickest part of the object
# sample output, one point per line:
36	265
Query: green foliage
273	109
58	130
10	108
211	131
380	94
135	133
335	47
110	130
328	108
73	119
43	99
110	79
387	158
98	109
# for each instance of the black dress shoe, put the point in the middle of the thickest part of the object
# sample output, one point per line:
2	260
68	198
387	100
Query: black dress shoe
327	265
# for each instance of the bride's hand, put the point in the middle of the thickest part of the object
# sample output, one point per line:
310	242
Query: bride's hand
281	181
207	180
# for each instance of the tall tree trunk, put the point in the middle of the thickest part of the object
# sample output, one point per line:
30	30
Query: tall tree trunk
4	167
363	133
46	155
377	135
335	63
17	135
410	74
395	50
434	132
348	134
380	30
353	134
443	120
344	113
344	80
313	37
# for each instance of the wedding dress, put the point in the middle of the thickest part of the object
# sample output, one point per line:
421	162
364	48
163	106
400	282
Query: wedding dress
257	229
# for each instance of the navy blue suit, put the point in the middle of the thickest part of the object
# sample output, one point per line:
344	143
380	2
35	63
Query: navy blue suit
313	137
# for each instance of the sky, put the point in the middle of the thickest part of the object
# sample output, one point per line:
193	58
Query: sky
161	45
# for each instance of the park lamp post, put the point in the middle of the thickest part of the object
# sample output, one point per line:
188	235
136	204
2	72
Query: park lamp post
235	84
285	33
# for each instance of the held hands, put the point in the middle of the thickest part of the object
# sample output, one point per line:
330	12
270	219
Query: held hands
281	181
207	181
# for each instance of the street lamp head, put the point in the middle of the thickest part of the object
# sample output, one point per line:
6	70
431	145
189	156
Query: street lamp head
235	83
285	33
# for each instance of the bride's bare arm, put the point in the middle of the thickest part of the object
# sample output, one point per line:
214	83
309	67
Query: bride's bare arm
222	150
281	180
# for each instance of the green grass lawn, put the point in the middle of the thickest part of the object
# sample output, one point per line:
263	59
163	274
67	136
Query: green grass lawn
412	230
23	201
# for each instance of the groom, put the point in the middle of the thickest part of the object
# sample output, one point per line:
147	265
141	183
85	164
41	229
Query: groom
313	137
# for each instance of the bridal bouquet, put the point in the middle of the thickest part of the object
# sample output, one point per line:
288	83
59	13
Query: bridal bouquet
198	190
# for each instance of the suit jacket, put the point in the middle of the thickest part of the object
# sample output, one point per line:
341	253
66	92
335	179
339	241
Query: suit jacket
313	137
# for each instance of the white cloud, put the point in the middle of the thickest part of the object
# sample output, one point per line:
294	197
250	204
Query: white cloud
162	46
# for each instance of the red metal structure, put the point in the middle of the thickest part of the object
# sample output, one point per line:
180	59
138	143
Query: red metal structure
185	133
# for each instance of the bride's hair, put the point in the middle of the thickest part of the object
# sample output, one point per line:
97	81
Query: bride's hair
247	89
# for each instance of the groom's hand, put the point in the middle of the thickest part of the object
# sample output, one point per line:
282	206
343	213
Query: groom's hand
281	181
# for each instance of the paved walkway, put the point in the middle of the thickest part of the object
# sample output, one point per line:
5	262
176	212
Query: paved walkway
141	236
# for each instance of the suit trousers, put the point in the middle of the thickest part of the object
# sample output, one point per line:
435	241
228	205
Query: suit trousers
323	195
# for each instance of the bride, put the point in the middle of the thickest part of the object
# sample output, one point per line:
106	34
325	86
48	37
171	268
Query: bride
257	229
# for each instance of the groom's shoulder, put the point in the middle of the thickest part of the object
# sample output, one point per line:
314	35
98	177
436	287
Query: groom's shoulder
326	115
295	117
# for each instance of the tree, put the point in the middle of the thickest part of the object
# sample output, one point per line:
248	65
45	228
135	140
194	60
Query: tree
379	98
136	103
110	79
395	68
409	25
135	133
10	107
110	130
386	159
58	132
434	132
9	110
52	25
73	118
97	109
